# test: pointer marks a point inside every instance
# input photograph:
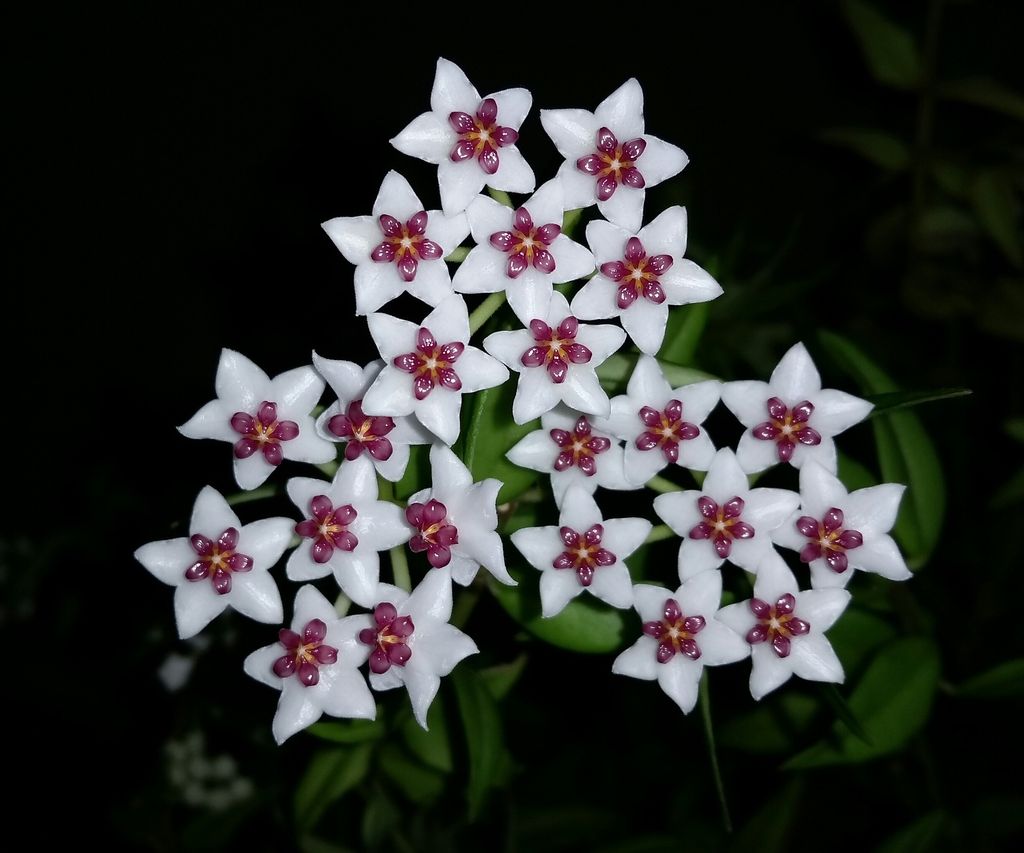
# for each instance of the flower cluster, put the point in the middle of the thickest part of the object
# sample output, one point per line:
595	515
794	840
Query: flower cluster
412	395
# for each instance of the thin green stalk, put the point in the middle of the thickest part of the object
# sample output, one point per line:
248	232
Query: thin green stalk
464	604
253	495
400	568
661	531
709	732
661	484
482	313
501	197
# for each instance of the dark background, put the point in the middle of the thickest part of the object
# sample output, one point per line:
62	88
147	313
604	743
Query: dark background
171	169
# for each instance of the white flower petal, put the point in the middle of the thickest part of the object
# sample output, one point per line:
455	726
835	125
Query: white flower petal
530	295
660	160
432	284
639	661
445	646
508	347
823	454
611	584
514	174
448	231
459	183
393	468
665	234
513	106
211	515
623	111
449	321
432	598
540	545
357	574
795	377
685	282
347	696
737	617
307	446
836	411
747	400
813	658
545	205
346	378
302	567
486	217
881	555
483	271
755	455
679	511
579	512
167	559
625	207
766	509
719	644
240	384
647	383
390	394
251	473
573	131
255	594
696	556
426	137
573	261
582	391
595	300
697	454
376	284
396	198
750	553
391	335
195	606
725	478
680	678
439	412
389	680
641	465
260	665
478	370
579	189
645	322
769	671
265	540
774	578
875	507
701	595
212	421
452	90
422	685
557	588
820	490
535	451
602	340
622	536
297	709
355	236
484	547
787	536
536	394
449	476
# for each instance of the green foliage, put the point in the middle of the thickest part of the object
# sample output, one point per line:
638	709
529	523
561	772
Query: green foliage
994	201
432	745
330	774
490	434
889	51
986	93
892	702
1004	680
876	146
614	373
907	399
348	731
484	741
919	837
683	333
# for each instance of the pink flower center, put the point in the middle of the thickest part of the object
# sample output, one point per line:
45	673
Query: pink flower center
583	553
828	539
788	426
262	432
217	560
665	429
579	447
431	364
433	532
526	245
389	638
328	528
722	524
776	624
637	275
675	633
481	136
405	245
362	432
613	164
555	348
306	653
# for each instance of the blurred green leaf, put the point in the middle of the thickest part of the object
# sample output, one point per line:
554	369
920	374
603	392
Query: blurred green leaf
906	399
501	679
615	371
683	333
837	702
419	784
490	434
1014	428
380	819
876	146
770	830
993	199
417	472
1010	493
432	746
919	837
892	701
349	731
331	774
583	626
987	93
458	254
774	727
484	741
858	635
853	474
889	50
905	454
1006	679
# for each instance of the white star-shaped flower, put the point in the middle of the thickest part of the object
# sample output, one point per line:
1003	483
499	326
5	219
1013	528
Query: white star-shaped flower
838	531
385	440
786	628
680	637
609	159
220	562
428	367
661	425
584	552
471	139
455	521
725	519
409	642
344	529
640	275
791	418
522	251
569	450
556	359
315	665
400	248
267	420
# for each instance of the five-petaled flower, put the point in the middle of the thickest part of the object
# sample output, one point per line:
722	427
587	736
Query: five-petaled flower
609	159
315	665
384	440
786	628
837	531
556	360
471	139
661	425
572	452
680	637
400	248
409	642
344	529
522	251
267	420
455	520
584	552
220	562
790	418
724	519
428	367
640	275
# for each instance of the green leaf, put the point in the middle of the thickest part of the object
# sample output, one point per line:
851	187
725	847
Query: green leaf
774	727
1010	493
418	783
842	710
432	746
381	818
853	474
615	371
889	50
892	702
491	433
709	737
330	774
858	635
992	196
876	146
417	472
683	333
905	454
458	255
1006	679
771	829
919	837
482	725
1014	427
348	731
583	626
906	399
987	93
501	679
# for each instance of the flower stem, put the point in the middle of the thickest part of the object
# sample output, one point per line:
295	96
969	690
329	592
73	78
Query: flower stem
254	495
482	313
661	484
661	531
458	255
400	568
501	197
464	605
705	713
